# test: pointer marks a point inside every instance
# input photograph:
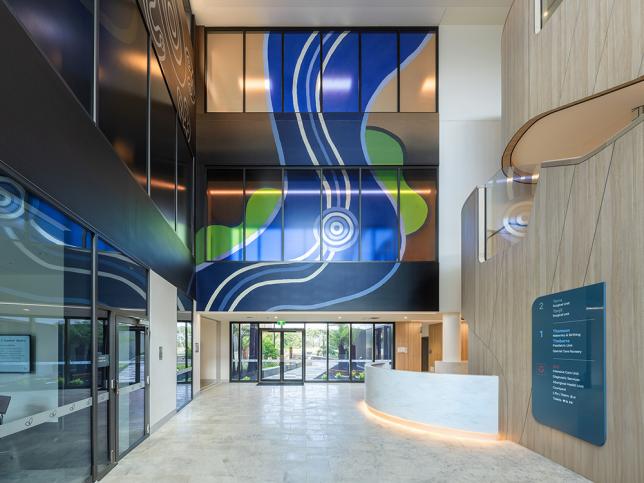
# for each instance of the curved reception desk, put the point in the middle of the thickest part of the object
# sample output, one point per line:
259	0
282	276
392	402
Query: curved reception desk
451	403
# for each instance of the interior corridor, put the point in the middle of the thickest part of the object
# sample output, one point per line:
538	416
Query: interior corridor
315	433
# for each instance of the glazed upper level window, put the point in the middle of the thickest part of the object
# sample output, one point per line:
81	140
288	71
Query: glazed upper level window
299	70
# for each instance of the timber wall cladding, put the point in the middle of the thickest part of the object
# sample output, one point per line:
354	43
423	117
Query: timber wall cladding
587	46
586	227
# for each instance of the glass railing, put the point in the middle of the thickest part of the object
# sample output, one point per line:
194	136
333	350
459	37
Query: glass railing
508	205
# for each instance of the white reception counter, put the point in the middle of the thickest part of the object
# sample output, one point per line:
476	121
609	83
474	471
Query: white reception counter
463	403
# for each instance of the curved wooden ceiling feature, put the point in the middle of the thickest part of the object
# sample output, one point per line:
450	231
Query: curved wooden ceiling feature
572	131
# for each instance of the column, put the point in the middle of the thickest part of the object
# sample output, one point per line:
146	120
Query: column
451	337
451	363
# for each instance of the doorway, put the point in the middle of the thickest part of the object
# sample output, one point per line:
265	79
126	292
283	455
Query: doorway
281	356
121	387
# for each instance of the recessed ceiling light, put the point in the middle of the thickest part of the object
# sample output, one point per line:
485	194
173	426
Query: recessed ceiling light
275	316
339	316
405	317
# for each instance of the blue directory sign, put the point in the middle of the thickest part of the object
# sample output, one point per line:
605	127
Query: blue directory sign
568	362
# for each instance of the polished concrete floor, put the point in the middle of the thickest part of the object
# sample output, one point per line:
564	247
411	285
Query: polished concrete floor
315	433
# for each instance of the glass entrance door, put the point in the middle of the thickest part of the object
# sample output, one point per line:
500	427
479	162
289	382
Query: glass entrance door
292	355
271	369
282	356
130	382
105	443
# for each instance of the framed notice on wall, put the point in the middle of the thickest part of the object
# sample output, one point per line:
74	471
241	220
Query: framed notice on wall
568	362
15	353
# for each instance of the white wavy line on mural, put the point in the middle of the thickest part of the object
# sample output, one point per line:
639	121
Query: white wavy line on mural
308	278
336	153
82	271
269	103
298	115
233	275
221	286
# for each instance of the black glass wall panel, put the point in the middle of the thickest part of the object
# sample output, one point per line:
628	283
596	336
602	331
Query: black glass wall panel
185	169
163	149
64	31
45	340
122	83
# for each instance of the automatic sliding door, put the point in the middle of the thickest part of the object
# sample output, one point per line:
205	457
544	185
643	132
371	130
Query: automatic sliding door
293	357
130	372
271	355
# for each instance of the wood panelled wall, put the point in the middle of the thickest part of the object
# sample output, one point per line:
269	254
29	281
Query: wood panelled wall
408	336
586	47
435	344
586	227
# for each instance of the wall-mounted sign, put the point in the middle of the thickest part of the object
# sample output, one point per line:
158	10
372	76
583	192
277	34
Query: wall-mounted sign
568	362
15	353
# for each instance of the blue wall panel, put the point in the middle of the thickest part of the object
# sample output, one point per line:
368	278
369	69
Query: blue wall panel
357	286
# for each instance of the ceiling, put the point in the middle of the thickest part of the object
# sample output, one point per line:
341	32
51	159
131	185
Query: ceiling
348	13
431	317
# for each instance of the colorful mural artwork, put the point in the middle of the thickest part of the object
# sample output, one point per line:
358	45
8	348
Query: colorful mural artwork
296	227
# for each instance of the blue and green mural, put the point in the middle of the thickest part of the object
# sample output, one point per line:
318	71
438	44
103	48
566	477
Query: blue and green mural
358	202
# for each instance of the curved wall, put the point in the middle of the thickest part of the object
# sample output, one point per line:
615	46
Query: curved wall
585	228
587	46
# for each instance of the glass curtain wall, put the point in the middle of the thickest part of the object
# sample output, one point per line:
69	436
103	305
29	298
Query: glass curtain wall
316	352
134	109
185	348
333	352
45	340
184	363
46	337
361	349
302	70
244	350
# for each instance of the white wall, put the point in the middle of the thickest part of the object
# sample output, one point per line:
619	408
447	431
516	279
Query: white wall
215	349
223	333
470	136
209	349
163	333
196	356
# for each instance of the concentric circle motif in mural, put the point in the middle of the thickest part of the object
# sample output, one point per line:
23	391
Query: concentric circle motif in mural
516	219
12	199
339	229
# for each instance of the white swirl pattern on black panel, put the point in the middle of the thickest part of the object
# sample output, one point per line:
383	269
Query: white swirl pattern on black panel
168	27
